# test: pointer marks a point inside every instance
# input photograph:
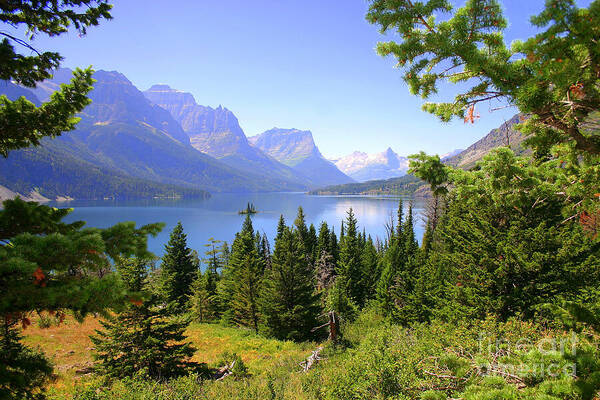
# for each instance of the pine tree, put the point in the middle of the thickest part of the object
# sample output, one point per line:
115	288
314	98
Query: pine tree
24	372
23	123
411	246
350	265
265	251
334	246
389	272
323	240
203	302
311	246
177	270
280	227
302	230
400	221
339	301
202	299
552	76
289	305
370	269
143	339
238	291
49	265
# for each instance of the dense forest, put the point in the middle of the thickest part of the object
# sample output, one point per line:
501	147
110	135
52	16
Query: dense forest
500	300
406	185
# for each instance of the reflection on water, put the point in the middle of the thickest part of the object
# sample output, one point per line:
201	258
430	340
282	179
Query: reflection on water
218	216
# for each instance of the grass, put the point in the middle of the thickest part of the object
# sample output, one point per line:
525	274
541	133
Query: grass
70	349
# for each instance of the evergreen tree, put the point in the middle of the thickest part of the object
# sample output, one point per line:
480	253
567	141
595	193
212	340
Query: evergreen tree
49	265
23	123
202	299
178	270
203	302
323	240
370	270
389	272
240	287
400	221
143	339
311	245
411	246
289	305
334	247
280	227
302	230
24	372
501	249
339	301
265	251
350	265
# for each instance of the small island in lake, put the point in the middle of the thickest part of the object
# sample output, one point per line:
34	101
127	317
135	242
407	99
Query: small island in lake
249	210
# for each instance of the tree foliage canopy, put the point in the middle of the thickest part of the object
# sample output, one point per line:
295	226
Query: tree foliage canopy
552	76
22	123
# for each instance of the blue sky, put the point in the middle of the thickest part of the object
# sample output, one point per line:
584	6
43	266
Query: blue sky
307	64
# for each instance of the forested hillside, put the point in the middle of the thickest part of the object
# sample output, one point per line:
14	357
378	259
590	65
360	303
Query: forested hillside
122	135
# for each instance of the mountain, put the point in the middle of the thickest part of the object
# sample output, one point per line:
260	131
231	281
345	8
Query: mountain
122	142
297	149
217	132
451	154
50	172
365	167
505	135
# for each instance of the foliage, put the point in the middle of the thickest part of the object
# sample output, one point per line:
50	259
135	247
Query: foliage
239	290
405	185
551	76
24	372
143	340
178	269
289	305
23	124
518	250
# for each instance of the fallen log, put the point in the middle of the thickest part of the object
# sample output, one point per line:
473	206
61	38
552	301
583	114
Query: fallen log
312	359
224	372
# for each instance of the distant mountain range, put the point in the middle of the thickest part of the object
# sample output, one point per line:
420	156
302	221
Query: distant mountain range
505	135
131	144
364	167
217	132
297	150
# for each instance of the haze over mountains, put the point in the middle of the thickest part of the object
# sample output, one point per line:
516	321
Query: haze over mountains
297	149
505	135
364	167
217	132
161	143
128	146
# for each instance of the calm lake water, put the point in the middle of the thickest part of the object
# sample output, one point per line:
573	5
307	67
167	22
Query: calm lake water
218	217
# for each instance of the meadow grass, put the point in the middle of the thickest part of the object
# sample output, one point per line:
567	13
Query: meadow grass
70	349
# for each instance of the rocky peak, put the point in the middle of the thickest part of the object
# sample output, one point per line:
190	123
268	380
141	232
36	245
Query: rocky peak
289	146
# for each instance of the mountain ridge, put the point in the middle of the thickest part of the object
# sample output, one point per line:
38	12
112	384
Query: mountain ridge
297	149
217	132
124	137
364	167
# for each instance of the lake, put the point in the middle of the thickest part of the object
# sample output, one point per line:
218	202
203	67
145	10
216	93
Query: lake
218	217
